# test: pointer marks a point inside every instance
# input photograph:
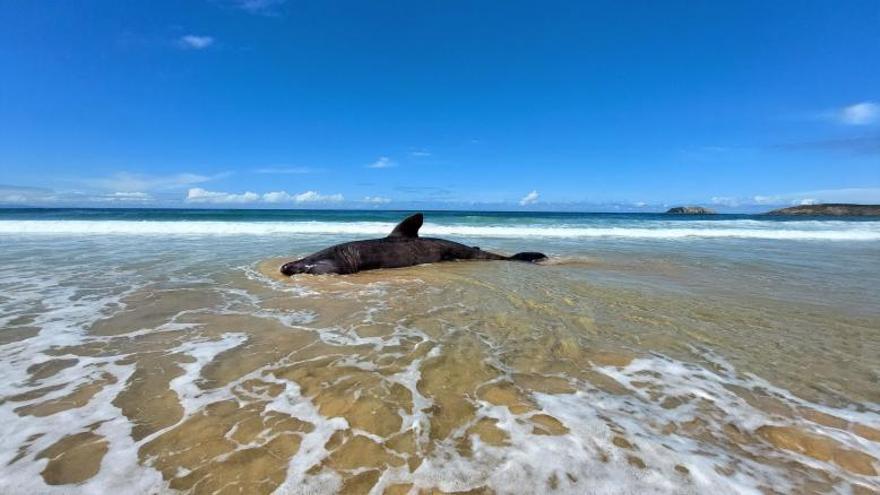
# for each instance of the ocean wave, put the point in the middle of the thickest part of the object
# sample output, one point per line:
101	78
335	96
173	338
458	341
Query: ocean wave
830	230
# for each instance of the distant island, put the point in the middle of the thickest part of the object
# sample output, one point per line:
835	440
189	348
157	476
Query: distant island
690	210
829	209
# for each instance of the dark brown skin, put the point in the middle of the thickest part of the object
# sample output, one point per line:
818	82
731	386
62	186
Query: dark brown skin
402	248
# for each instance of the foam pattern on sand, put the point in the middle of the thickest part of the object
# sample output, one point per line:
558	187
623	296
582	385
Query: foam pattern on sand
159	373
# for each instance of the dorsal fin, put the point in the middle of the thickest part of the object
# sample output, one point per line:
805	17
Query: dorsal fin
409	227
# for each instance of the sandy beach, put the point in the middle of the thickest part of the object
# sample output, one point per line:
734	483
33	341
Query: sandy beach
165	363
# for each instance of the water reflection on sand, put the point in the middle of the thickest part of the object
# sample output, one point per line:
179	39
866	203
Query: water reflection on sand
586	374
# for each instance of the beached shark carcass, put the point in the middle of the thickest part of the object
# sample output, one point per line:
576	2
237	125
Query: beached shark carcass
403	247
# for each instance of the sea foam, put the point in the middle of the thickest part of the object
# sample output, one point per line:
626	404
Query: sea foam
747	229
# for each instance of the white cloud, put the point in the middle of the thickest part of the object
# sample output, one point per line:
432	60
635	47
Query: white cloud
419	153
858	195
13	198
306	197
128	196
199	195
725	201
266	7
529	199
25	194
762	200
794	199
864	113
314	197
382	162
277	197
864	195
765	200
196	42
376	200
38	195
128	182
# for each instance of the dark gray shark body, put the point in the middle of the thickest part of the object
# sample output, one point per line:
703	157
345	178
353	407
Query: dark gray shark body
403	247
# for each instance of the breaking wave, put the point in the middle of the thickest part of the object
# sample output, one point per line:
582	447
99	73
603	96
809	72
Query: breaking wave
745	229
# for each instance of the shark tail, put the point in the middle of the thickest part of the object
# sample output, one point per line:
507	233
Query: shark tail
529	256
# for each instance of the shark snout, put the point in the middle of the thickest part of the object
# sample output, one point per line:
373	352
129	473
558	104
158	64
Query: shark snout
292	268
308	265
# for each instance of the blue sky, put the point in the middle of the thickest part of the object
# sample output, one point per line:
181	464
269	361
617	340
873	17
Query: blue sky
600	106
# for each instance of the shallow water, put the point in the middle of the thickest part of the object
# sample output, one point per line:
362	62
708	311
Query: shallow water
153	359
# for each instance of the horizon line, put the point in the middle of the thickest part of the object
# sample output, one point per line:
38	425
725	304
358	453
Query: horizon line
406	210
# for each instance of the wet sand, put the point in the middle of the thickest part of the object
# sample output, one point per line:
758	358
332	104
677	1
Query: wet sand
585	375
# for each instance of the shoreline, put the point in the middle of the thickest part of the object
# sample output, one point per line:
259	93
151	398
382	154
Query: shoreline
643	364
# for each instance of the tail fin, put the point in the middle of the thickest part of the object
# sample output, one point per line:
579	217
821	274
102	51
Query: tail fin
528	256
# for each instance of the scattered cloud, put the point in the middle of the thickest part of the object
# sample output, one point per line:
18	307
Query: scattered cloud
791	199
306	197
765	200
286	170
376	200
844	195
725	201
277	197
419	153
128	196
858	195
314	197
129	182
199	195
529	199
196	42
24	194
262	7
864	113
382	162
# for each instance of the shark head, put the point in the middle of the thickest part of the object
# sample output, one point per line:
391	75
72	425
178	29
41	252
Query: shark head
306	265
